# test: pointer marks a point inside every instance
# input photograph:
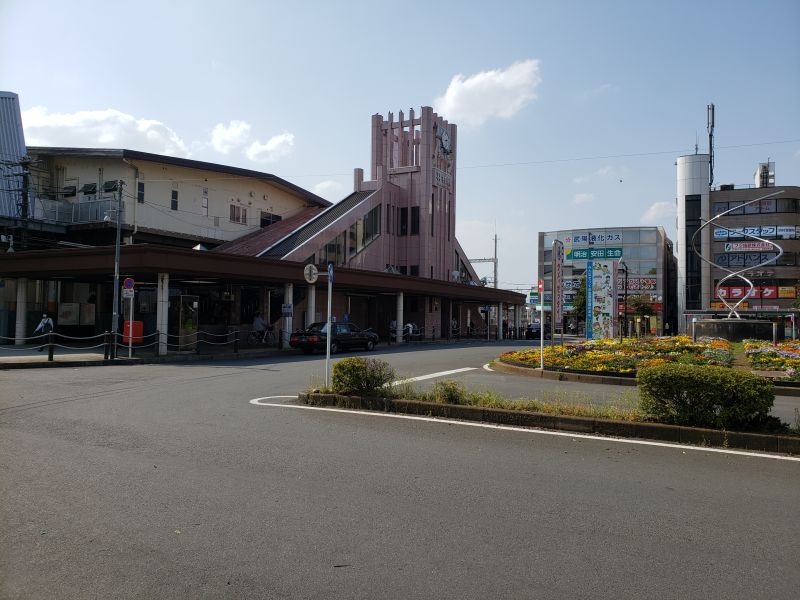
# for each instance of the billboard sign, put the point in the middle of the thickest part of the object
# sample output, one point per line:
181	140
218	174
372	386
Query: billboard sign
558	283
601	299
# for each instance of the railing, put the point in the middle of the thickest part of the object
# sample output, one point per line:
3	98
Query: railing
91	211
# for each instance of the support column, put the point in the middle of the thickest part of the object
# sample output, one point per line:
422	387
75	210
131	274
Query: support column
52	298
288	294
22	311
517	319
311	305
400	323
162	312
499	320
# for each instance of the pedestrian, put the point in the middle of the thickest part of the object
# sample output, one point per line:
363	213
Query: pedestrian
393	328
45	326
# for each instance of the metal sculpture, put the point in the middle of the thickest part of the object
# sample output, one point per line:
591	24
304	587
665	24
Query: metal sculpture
731	273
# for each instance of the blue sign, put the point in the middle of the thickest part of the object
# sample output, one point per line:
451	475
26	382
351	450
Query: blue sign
589	298
330	272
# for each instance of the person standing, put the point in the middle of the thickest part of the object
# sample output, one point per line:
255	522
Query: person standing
45	326
259	326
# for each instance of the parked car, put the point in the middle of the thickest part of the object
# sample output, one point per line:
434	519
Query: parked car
345	335
534	331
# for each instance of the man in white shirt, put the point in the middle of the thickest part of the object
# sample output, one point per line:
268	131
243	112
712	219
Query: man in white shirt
45	326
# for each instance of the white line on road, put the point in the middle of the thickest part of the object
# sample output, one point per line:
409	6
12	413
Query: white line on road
258	402
525	430
486	366
432	375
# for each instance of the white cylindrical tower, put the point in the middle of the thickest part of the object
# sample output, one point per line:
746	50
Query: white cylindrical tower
694	287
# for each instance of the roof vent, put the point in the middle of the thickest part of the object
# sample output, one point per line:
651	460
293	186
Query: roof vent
726	187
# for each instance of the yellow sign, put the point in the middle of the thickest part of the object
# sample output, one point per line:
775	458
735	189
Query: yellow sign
721	306
786	291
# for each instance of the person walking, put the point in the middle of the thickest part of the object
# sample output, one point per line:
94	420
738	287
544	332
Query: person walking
45	326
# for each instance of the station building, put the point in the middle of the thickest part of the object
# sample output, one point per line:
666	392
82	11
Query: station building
210	245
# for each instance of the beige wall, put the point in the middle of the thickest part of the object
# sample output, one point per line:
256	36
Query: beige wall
192	217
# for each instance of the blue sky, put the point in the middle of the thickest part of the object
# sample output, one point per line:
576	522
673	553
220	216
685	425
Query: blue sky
543	88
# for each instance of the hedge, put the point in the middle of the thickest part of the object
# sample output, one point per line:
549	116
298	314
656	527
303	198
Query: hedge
704	396
361	376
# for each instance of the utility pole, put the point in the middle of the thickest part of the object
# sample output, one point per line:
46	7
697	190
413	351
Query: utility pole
24	211
491	260
115	312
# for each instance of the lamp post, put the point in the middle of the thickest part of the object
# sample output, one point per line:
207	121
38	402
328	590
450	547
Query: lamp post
115	311
624	268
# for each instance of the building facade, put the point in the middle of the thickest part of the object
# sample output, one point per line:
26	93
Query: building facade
646	253
727	244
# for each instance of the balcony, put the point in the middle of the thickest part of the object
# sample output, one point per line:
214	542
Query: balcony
85	211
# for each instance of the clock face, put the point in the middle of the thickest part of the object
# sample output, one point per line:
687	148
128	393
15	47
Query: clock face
444	138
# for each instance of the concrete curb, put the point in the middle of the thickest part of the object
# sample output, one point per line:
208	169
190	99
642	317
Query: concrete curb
503	367
651	431
121	362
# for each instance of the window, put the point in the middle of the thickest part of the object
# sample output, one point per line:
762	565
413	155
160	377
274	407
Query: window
174	202
268	218
647	252
787	205
388	218
140	192
692	208
720	207
414	271
648	236
403	270
432	211
238	214
734	205
415	220
404	221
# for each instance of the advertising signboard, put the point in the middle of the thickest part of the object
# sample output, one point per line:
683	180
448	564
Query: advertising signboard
558	284
786	291
601	299
593	253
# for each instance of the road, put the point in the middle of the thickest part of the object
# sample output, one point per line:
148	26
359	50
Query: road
165	481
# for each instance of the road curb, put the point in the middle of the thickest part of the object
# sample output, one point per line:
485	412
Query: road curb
189	358
505	367
626	429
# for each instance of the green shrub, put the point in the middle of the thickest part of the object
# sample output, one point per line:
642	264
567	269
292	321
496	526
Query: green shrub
704	396
361	376
448	392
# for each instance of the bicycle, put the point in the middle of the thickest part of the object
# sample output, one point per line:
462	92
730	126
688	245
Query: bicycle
258	338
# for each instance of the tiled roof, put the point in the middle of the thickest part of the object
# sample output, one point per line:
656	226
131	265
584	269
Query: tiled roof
316	225
257	241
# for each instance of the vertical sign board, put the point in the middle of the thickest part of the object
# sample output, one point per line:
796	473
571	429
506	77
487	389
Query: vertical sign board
601	299
558	285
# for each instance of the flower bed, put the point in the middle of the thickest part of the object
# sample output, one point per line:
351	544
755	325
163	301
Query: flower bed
766	356
624	357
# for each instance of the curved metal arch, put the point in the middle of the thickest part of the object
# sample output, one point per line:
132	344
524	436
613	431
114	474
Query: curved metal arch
731	273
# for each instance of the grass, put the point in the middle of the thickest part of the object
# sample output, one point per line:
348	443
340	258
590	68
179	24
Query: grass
551	402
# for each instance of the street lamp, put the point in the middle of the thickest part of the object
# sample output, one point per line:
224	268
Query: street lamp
624	268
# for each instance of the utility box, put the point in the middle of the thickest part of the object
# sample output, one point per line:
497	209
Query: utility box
138	329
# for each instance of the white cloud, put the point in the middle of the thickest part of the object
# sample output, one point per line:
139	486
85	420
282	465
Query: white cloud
497	93
108	128
276	147
235	135
658	213
606	170
329	189
583	198
579	179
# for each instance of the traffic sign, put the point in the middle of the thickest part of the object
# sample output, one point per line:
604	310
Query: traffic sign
330	272
128	283
541	286
127	292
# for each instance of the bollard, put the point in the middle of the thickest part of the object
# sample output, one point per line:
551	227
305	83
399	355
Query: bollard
51	348
106	349
774	332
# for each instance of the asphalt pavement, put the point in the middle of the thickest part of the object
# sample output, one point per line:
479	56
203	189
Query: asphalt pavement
164	481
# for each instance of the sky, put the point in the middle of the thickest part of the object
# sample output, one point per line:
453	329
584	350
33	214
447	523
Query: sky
570	114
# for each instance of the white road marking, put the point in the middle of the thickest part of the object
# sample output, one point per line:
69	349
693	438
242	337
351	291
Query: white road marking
257	401
486	366
584	436
432	375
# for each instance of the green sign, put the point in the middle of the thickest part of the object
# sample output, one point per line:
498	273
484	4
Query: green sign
593	253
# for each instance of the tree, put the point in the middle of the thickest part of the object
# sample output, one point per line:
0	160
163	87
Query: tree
640	306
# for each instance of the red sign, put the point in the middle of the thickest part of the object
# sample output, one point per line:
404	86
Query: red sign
541	286
769	291
737	293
